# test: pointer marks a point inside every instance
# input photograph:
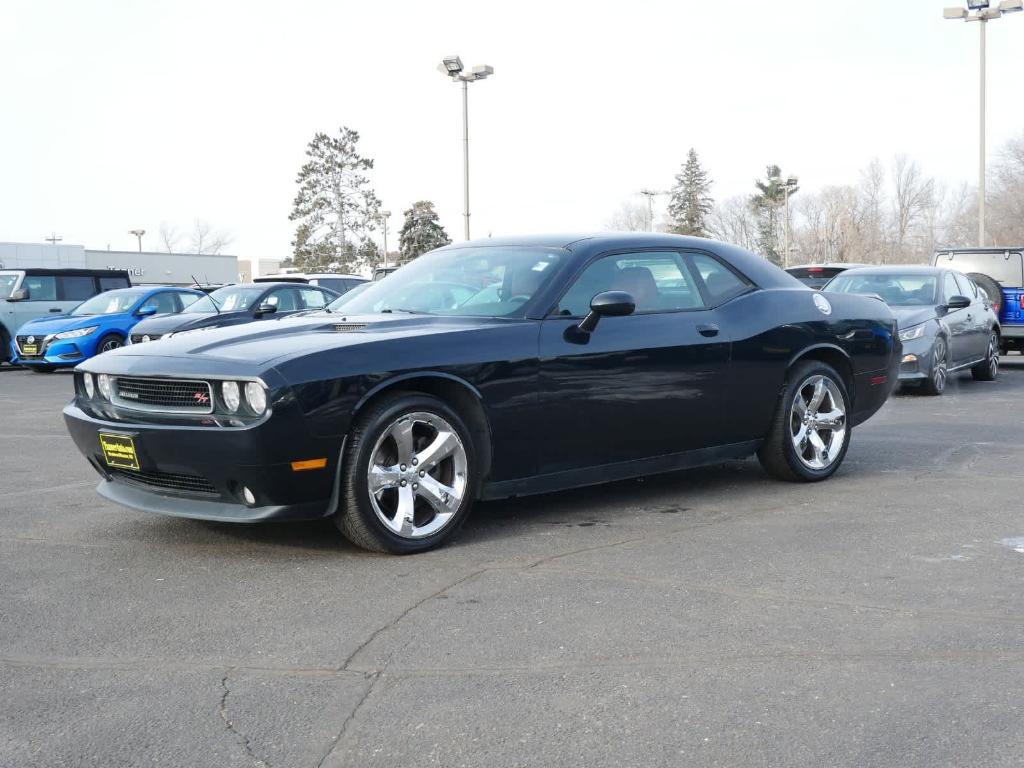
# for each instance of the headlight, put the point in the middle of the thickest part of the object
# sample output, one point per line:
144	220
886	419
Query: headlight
146	338
257	397
912	333
76	334
103	382
229	390
90	389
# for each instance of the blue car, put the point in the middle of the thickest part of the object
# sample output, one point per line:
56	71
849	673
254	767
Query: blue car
96	325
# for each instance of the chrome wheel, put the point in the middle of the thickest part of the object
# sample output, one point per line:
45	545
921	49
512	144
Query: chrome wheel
417	476
939	366
993	355
818	422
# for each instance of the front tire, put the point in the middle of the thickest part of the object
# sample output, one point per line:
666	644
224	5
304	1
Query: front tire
810	432
410	475
938	376
988	369
109	342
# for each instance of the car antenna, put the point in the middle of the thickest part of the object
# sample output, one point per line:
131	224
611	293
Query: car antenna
196	284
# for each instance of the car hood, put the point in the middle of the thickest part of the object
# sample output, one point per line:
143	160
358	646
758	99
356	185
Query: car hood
266	341
158	326
44	326
910	316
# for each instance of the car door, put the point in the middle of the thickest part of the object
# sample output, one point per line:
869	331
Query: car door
639	386
286	299
977	316
961	341
42	300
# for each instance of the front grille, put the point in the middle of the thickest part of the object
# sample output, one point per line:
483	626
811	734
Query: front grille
168	395
168	481
23	340
137	337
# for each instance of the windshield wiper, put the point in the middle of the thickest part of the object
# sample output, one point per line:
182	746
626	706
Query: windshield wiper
406	311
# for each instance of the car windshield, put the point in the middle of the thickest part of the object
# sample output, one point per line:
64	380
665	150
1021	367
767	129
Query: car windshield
489	281
109	303
230	299
7	285
897	290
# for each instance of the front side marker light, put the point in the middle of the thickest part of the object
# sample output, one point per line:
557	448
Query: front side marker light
256	396
229	390
302	466
103	382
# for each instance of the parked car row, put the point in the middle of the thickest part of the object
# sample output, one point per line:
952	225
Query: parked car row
56	318
482	370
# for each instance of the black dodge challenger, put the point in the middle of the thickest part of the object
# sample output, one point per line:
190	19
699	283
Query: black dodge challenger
489	369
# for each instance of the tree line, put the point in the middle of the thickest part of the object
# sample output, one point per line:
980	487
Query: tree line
894	213
336	211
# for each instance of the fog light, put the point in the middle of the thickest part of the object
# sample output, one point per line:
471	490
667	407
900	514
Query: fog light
90	389
229	389
249	496
910	358
103	382
145	338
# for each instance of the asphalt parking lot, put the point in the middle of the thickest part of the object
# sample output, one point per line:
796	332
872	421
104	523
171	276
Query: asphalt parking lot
712	617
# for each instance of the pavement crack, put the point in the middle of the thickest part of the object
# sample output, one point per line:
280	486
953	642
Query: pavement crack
240	737
372	678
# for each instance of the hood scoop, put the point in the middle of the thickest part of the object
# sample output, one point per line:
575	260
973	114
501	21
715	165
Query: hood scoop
347	327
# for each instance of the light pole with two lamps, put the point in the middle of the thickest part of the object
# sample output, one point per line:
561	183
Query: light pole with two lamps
452	67
982	11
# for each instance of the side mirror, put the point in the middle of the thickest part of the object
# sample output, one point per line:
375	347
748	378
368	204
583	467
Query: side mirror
146	311
958	302
266	308
21	294
607	304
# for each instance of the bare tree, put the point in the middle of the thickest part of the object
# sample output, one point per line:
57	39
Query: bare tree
630	217
1004	220
169	237
733	221
912	195
206	240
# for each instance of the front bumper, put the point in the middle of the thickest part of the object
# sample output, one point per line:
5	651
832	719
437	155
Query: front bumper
201	472
916	361
53	352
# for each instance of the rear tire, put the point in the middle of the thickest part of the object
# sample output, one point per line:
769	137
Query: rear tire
5	346
419	455
938	375
810	432
988	369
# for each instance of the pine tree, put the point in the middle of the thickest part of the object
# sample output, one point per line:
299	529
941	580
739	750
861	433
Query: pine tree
335	206
767	205
690	202
421	231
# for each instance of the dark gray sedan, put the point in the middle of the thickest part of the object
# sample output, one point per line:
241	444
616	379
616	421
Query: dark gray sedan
946	323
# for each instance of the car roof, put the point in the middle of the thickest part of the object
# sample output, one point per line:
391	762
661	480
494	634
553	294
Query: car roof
826	265
901	269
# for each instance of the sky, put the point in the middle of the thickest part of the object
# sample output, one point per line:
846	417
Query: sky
124	115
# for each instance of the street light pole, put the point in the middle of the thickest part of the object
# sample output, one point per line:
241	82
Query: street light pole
138	233
453	68
384	216
983	13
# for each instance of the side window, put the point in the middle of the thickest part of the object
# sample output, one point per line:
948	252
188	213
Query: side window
657	281
112	283
720	281
312	298
75	288
40	287
949	287
164	303
286	299
967	287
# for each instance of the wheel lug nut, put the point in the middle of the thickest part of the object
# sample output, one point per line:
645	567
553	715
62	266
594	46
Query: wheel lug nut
403	483
415	486
415	462
422	473
403	467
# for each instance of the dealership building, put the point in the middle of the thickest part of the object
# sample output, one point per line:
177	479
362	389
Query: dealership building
144	268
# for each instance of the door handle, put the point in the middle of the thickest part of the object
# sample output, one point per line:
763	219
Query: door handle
707	329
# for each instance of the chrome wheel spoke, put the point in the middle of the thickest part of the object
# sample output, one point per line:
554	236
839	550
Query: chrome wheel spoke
404	519
401	433
439	449
830	419
381	478
819	395
443	498
817	445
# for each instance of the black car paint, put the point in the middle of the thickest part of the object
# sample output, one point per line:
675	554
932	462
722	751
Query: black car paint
550	410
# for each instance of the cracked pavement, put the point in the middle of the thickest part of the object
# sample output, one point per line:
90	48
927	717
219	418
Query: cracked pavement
711	617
